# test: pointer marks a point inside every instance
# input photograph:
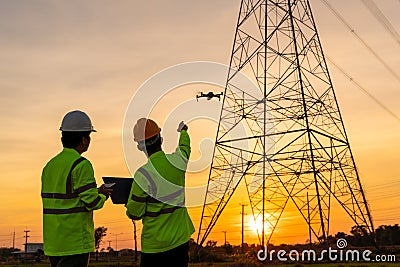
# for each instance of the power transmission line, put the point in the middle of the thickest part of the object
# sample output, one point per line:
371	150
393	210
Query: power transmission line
377	13
383	185
391	196
370	49
359	86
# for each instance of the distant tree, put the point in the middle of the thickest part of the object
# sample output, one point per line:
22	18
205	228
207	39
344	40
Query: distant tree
388	235
6	252
361	236
331	239
211	243
99	233
341	235
228	248
111	252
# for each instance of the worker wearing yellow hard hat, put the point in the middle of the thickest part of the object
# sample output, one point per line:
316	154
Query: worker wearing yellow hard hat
69	196
167	226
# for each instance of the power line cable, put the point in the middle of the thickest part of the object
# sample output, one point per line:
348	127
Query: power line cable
370	49
383	185
359	86
387	209
377	13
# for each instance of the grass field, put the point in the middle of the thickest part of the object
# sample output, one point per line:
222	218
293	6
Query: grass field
227	264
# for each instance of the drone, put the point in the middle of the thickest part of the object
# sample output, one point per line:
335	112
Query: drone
209	95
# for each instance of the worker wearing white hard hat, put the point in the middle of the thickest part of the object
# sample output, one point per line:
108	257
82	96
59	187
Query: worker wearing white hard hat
76	121
69	196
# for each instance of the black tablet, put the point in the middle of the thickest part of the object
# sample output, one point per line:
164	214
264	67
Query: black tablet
121	189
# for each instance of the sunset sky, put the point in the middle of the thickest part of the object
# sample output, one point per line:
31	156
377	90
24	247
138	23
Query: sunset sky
58	56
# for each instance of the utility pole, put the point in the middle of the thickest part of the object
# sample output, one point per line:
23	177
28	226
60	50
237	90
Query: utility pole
243	205
225	237
134	239
13	241
26	240
116	241
109	249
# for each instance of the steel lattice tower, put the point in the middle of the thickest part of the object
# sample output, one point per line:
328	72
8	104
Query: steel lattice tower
305	157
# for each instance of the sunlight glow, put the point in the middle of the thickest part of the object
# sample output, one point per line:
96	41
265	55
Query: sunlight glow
256	225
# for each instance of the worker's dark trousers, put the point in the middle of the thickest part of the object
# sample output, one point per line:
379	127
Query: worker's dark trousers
80	260
176	257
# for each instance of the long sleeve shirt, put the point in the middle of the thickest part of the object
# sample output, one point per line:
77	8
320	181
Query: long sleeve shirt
157	197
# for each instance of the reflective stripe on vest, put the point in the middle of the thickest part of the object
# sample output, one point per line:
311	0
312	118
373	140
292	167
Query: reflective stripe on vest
162	211
70	194
93	203
153	191
68	190
153	186
64	211
163	199
69	177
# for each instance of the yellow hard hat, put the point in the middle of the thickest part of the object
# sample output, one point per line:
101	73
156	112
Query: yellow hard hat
145	129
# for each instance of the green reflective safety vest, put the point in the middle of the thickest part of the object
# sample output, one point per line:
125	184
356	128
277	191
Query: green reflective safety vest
158	196
69	196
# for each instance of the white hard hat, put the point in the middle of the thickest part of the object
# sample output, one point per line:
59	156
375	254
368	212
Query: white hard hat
76	121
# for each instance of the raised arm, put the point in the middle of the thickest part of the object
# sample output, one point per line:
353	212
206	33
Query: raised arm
184	144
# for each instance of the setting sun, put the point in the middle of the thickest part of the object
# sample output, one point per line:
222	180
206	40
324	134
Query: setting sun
256	225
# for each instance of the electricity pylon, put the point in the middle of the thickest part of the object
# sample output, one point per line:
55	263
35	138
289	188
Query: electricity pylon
292	145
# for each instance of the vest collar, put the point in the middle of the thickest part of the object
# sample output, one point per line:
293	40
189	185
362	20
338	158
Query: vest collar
157	154
70	151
